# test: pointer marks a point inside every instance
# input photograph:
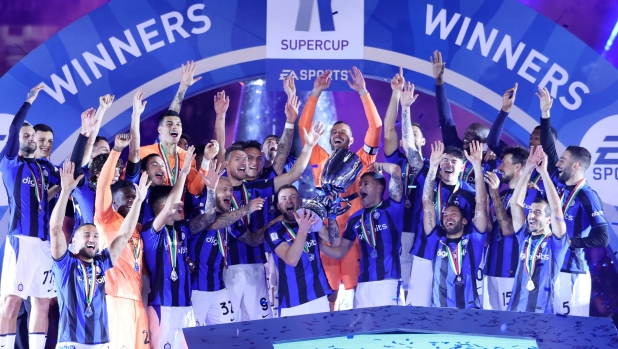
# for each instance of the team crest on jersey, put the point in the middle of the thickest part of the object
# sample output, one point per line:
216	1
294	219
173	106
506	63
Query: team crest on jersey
464	242
274	236
97	269
45	173
182	235
376	215
455	202
543	244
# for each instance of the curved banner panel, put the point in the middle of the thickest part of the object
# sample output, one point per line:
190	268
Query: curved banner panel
487	45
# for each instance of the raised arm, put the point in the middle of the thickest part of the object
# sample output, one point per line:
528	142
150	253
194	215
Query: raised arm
104	103
374	131
504	220
285	143
297	144
173	201
89	124
58	241
558	225
311	140
11	149
391	139
428	199
518	214
413	155
475	156
222	103
103	198
495	132
445	115
291	253
395	185
138	108
130	221
186	80
322	82
200	222
547	138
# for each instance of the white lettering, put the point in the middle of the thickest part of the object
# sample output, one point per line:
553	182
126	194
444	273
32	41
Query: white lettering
130	47
462	31
105	61
577	99
194	18
529	64
141	29
80	71
58	83
432	24
506	48
549	77
177	27
479	34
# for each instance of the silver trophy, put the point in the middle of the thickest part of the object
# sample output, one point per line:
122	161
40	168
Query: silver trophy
340	171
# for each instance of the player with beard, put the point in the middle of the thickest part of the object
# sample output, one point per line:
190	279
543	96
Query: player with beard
247	255
378	226
124	281
303	288
26	180
586	224
449	189
502	254
541	248
209	251
413	169
82	276
474	132
346	270
458	244
170	130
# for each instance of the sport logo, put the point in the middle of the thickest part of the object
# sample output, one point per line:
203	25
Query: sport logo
305	11
602	142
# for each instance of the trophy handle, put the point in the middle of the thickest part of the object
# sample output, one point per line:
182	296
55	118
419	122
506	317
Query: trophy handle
348	205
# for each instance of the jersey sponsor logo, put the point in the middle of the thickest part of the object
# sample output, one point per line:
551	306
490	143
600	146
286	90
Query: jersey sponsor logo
212	240
444	254
597	213
539	256
28	180
310	243
378	227
568	217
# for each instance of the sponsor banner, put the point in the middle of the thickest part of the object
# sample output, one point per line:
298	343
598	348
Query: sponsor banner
306	70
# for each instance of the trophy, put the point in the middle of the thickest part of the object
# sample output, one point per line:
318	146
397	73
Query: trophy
339	172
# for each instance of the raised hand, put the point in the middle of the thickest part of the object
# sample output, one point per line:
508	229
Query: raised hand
189	157
407	96
437	152
322	82
358	81
212	179
508	99
122	141
437	67
141	189
491	178
105	101
308	219
89	122
67	181
211	150
312	138
256	205
288	86
476	153
536	155
32	94
398	82
489	155
222	103
291	109
545	99
138	104
187	72
541	165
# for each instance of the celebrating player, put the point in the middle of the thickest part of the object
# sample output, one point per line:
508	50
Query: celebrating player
458	244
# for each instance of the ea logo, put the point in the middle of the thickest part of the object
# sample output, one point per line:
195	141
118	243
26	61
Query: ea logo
602	142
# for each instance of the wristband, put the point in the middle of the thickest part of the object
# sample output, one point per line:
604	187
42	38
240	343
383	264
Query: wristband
289	125
206	165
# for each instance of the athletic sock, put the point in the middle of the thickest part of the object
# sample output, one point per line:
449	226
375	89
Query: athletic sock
37	340
10	340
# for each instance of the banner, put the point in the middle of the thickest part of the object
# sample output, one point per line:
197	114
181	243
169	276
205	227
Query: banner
487	46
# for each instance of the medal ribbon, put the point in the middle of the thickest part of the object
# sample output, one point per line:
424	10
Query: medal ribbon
507	204
172	173
372	228
468	171
531	262
439	199
245	194
290	232
222	243
573	195
38	188
537	179
173	246
408	187
89	288
135	248
455	261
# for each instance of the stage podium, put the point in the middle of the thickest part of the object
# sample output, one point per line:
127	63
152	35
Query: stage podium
410	327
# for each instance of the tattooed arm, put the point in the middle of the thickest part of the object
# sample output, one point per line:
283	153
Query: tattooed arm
202	221
186	80
229	218
395	186
407	131
505	221
334	235
429	206
285	143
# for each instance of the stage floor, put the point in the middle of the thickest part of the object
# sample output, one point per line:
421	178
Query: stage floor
398	327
